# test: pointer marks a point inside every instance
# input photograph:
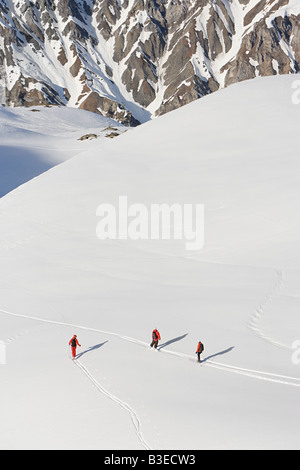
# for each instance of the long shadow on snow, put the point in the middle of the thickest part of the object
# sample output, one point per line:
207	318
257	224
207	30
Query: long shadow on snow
19	165
217	354
91	348
174	340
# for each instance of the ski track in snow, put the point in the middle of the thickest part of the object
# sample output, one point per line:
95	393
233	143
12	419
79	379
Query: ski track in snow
134	417
257	316
257	374
260	375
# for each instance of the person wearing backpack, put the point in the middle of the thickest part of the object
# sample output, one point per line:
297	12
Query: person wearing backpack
74	343
155	338
200	349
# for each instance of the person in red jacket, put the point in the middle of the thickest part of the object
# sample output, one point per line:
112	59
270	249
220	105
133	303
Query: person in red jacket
200	349
155	338
74	343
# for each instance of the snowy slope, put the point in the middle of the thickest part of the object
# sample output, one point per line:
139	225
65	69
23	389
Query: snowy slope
236	152
30	145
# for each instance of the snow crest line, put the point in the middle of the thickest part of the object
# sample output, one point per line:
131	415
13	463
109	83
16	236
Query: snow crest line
268	376
134	417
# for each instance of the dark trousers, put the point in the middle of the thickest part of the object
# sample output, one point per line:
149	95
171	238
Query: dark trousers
199	354
154	343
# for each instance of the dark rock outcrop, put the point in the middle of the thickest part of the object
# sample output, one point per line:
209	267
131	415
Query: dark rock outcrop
136	58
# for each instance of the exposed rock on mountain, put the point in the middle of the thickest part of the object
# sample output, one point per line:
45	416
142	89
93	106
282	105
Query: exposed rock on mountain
133	59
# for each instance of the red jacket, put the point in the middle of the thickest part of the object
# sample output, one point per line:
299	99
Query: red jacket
76	342
200	348
155	335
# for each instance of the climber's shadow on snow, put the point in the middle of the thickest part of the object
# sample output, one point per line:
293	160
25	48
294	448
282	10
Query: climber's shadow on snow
91	348
217	354
174	340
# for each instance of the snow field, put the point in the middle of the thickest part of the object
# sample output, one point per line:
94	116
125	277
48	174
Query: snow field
235	151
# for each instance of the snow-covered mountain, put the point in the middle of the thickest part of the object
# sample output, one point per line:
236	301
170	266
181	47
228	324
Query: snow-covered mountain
239	295
133	59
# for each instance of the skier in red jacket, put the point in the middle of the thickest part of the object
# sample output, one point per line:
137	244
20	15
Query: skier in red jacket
155	338
200	349
74	343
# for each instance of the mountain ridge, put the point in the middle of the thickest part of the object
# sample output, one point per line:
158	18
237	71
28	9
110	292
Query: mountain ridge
132	60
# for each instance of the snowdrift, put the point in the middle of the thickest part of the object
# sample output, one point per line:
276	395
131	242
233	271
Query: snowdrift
236	152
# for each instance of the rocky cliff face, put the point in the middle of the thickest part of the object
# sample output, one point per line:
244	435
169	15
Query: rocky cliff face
133	59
